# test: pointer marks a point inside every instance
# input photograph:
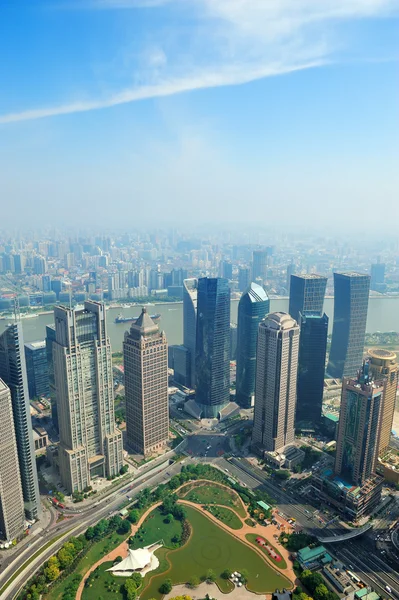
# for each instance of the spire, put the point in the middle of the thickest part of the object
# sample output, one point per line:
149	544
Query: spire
144	325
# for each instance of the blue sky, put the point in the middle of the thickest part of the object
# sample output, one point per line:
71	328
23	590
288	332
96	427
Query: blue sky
199	110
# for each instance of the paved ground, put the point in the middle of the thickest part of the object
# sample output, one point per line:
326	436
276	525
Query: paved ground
239	593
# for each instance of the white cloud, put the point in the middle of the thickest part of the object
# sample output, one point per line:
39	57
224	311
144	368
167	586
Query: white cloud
232	42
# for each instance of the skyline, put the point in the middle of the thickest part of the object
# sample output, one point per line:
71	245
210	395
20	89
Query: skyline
172	105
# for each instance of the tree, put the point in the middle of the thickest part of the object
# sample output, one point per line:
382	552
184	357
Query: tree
90	533
210	576
320	592
166	587
193	582
64	558
244	576
179	512
53	561
124	527
282	474
137	579
226	574
134	515
168	518
52	572
131	589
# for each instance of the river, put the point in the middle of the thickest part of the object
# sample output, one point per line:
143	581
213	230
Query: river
383	315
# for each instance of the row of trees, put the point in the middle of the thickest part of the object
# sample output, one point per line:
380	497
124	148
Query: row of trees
314	582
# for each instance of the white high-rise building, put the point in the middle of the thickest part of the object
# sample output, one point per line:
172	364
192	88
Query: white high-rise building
275	384
90	443
12	516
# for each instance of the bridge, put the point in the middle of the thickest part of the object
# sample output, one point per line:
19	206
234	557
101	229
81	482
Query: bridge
344	536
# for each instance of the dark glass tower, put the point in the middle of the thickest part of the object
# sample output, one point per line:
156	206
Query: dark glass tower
253	307
311	367
13	373
307	294
50	338
212	357
351	300
190	325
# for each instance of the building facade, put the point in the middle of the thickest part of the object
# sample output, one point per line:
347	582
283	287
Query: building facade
359	425
275	384
90	443
145	354
12	516
253	307
212	364
306	295
244	278
311	367
383	365
13	373
377	282
190	294
37	369
50	338
351	299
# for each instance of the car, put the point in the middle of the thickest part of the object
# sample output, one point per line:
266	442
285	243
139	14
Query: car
388	589
226	470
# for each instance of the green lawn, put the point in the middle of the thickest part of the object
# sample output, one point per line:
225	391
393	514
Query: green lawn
251	537
226	516
212	493
103	585
211	547
97	551
154	529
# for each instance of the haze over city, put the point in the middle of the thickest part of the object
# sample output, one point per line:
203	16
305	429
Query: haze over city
213	111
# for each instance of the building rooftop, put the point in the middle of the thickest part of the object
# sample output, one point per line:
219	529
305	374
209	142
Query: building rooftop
308	554
279	320
36	345
310	276
256	293
144	325
380	353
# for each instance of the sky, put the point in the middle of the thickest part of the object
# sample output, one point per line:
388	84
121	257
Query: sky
274	113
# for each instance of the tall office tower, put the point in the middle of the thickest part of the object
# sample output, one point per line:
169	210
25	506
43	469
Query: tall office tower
259	265
311	367
37	369
290	272
244	278
145	354
253	307
233	341
383	365
39	265
13	373
377	277
46	283
190	294
351	299
90	443
12	516
50	338
359	423
306	295
226	269
19	263
275	384
212	356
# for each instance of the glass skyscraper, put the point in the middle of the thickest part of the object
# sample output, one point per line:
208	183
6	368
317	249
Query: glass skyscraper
311	367
212	357
351	299
306	294
190	325
13	373
253	307
259	265
37	369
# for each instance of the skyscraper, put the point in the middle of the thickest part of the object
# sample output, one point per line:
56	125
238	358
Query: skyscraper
37	369
311	367
253	307
259	265
290	272
13	373
383	365
50	338
190	323
359	422
351	299
244	278
212	358
11	500
90	443
226	269
145	353
275	386
377	277
306	294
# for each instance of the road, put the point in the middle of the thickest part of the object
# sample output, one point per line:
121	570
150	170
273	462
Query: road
79	524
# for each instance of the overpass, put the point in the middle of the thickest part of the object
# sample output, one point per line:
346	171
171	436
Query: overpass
344	536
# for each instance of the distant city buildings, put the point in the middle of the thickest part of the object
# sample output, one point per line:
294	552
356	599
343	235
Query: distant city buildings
377	281
351	298
90	443
384	366
253	307
212	364
13	373
145	353
12	517
259	265
37	369
276	379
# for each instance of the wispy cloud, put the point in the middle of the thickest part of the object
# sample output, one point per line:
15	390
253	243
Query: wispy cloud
232	42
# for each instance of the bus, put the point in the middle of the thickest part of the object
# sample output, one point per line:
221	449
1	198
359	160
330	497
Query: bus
354	577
